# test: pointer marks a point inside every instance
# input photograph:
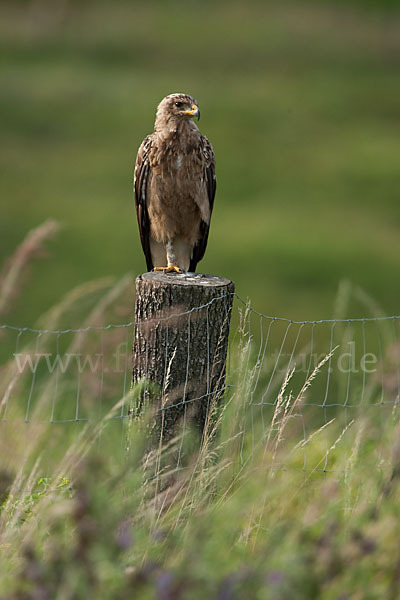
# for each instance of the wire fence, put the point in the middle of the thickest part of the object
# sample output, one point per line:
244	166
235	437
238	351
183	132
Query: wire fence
299	375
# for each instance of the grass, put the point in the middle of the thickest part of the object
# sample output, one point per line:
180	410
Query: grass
287	501
241	520
299	100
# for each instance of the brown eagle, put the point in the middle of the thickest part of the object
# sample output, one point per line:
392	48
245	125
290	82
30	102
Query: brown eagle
174	186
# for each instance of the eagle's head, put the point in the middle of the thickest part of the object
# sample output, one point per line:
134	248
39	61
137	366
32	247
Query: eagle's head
177	107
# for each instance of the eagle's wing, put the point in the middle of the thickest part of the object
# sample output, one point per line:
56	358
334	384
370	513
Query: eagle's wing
211	183
141	176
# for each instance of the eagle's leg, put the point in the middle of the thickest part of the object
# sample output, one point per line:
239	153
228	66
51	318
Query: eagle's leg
171	259
172	267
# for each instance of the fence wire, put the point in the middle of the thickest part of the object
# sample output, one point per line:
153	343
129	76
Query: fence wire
285	378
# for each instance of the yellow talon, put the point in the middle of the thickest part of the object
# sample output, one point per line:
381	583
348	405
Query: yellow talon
169	269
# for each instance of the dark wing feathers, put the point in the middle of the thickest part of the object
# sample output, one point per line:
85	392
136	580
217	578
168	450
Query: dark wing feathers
211	182
142	170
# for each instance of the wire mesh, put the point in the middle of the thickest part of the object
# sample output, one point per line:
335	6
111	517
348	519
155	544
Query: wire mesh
285	379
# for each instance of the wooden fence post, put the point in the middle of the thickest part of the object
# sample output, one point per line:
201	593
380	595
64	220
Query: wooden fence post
180	345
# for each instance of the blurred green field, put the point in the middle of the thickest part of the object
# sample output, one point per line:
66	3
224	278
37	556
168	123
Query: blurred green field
301	103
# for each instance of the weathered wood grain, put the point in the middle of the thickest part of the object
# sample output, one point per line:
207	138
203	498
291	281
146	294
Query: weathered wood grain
180	345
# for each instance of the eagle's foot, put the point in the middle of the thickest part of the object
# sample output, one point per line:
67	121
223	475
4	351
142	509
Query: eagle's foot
169	269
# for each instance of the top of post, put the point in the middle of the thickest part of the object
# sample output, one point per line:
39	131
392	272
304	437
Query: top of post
185	279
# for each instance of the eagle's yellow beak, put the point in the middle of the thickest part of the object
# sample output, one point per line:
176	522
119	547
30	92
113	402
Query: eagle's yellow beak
194	112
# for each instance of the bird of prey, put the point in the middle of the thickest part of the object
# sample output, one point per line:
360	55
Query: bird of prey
174	186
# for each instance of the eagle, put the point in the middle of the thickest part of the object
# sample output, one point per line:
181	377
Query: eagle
174	188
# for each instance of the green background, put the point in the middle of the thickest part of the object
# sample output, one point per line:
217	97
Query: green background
299	99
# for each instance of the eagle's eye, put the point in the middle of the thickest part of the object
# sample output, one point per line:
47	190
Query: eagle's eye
179	104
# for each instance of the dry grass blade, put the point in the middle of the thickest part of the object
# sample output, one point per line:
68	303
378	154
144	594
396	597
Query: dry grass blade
15	268
50	320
